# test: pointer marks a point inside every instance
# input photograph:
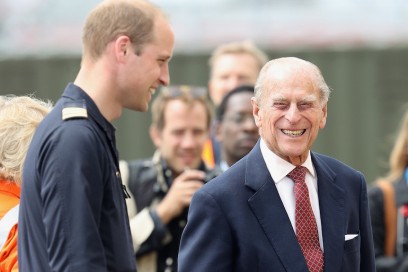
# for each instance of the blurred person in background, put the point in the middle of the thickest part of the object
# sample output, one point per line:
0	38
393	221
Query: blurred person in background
282	207
231	65
19	117
235	125
163	185
73	214
388	199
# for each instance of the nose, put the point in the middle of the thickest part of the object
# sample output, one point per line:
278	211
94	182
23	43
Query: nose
188	140
164	75
232	82
293	114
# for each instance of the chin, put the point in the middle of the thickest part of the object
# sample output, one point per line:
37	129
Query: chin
192	164
143	109
296	155
290	153
138	107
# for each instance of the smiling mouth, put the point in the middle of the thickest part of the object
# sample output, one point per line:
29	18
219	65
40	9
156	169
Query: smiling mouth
294	133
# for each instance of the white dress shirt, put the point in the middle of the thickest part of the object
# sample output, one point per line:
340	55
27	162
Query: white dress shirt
224	166
279	169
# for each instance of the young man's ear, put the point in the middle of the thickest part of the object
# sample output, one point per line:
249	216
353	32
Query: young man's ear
122	47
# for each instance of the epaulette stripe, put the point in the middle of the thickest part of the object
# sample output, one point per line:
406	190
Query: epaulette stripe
74	112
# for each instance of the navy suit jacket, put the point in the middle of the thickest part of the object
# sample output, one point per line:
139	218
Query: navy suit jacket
237	221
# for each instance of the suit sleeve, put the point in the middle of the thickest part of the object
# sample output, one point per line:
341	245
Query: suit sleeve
207	242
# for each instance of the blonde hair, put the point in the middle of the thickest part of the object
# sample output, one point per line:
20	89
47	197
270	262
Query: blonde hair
113	18
398	159
19	117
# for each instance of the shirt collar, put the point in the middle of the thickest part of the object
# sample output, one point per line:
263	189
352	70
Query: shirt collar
278	167
224	166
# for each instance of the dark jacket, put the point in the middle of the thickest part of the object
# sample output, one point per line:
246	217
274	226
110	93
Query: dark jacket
237	221
399	262
72	213
156	244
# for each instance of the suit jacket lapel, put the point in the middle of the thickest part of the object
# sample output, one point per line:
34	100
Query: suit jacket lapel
271	214
331	203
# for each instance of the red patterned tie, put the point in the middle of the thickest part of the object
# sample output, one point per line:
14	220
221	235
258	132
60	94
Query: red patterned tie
306	228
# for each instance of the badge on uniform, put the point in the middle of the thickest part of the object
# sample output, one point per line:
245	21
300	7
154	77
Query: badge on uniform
74	109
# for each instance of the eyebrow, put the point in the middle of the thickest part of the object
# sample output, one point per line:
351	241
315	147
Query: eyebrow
278	98
308	99
165	57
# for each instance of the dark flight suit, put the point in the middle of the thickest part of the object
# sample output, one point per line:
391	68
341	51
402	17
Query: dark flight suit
72	214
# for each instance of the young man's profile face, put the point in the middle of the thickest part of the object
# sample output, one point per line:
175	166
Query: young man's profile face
145	72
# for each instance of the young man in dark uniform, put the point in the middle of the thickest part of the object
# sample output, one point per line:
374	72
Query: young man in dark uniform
73	215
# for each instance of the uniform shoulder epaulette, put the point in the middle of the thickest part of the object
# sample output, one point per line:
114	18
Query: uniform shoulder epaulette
74	110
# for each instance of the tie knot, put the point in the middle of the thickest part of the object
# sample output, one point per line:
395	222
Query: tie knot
298	174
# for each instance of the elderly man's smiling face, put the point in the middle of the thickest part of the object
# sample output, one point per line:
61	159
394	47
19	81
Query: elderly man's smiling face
290	111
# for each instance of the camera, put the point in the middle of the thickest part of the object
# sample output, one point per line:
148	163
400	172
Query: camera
210	175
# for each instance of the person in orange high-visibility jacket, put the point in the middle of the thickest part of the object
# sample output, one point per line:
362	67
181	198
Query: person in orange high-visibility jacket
19	117
9	199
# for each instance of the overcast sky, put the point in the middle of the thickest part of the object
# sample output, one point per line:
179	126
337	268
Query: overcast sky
44	27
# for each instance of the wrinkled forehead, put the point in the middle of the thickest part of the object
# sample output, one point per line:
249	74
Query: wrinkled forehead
301	81
296	96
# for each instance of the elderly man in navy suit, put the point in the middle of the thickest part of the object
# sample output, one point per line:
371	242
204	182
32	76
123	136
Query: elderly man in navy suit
282	207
